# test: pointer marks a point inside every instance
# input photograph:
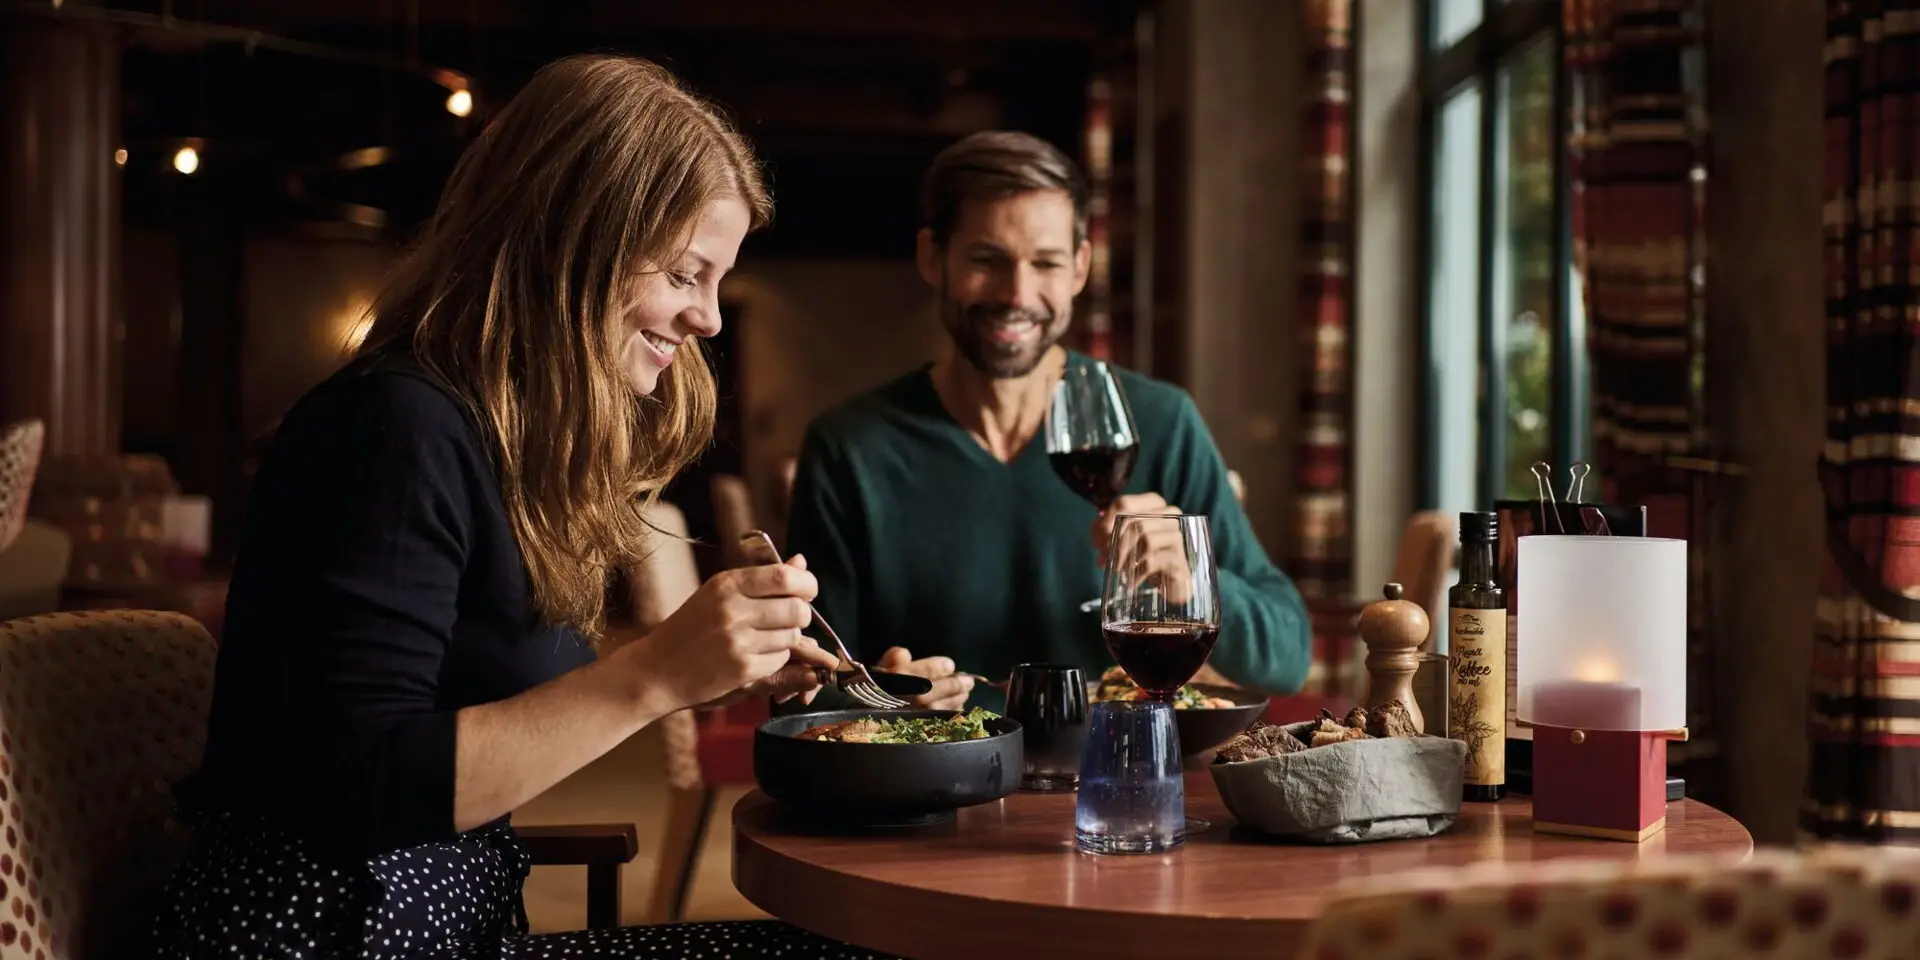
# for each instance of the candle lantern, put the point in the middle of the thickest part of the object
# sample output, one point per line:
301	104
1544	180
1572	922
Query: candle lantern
1603	679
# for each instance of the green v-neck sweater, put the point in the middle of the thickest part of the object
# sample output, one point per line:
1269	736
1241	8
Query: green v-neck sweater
922	539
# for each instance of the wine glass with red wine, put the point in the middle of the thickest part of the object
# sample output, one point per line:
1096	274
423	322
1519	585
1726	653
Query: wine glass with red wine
1090	437
1160	610
1091	441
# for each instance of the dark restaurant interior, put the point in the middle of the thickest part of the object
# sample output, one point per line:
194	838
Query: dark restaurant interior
1398	253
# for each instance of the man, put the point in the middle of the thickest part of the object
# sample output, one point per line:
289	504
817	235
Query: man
927	508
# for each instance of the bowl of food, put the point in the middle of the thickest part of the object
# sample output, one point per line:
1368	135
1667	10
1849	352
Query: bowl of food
1367	776
887	768
1207	715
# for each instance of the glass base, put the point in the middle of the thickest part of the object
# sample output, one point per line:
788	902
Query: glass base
1483	793
1040	784
1105	844
1196	825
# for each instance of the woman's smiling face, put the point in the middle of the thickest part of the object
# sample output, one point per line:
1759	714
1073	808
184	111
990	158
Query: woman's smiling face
681	298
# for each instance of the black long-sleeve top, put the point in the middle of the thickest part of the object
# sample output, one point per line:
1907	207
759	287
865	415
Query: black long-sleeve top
378	590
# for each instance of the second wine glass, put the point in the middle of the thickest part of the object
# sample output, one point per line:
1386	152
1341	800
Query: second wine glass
1091	441
1160	613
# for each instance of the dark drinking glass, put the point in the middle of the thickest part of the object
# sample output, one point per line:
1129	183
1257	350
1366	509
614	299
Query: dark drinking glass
1050	704
1090	435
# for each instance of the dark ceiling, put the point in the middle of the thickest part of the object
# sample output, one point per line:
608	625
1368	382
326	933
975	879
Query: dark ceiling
846	100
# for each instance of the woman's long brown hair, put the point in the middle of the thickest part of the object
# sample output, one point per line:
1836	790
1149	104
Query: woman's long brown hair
514	295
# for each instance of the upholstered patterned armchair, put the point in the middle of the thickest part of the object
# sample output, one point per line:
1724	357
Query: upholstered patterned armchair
34	556
20	446
100	713
1833	902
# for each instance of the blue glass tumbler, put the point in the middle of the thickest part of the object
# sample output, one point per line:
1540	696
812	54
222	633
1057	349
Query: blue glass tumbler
1132	795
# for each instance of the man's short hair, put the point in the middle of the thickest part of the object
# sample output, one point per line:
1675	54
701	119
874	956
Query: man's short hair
991	165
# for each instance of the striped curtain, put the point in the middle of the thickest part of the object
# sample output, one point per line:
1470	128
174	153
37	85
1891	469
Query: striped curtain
1864	781
1636	224
1637	168
1322	561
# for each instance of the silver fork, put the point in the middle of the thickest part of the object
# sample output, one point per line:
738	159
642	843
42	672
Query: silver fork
759	547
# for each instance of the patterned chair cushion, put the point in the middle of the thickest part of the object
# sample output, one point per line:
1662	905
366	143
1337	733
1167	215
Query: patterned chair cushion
1834	902
100	713
20	446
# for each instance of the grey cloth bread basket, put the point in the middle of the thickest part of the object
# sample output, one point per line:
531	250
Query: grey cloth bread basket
1386	788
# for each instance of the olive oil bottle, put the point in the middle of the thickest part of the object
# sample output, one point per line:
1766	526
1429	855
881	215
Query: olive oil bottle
1477	639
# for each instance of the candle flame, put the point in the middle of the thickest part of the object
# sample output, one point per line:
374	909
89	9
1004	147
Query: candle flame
1596	671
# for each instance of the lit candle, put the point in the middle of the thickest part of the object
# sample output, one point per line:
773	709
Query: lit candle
1603	632
1588	704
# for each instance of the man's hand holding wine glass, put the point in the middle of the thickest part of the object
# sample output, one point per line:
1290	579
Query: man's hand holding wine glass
1159	549
1132	503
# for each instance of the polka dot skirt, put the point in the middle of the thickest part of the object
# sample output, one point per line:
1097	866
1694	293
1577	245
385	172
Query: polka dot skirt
246	890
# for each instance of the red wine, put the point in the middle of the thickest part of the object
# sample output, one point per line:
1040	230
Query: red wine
1097	474
1161	657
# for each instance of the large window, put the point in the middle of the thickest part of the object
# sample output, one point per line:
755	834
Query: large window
1504	377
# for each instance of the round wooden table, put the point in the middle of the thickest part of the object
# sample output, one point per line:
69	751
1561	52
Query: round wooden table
1004	878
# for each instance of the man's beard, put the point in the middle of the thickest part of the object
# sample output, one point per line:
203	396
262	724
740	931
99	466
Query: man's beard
970	326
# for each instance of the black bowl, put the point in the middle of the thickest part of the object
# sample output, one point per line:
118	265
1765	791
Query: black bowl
883	784
1204	729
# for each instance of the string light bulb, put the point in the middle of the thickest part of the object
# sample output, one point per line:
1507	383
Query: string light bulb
460	102
120	157
186	160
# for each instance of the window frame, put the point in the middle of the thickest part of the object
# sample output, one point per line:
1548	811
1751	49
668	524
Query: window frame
1506	28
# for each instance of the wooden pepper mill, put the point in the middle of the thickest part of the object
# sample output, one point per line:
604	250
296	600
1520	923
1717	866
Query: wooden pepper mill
1394	630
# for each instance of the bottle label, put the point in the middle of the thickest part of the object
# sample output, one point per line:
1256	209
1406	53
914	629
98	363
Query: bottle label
1514	730
1477	701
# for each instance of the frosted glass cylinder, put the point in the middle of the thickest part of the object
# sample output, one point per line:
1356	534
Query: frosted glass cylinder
1603	632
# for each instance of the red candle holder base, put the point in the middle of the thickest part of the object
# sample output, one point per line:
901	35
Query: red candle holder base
1604	784
1601	833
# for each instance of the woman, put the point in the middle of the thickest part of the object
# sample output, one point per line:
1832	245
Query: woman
405	657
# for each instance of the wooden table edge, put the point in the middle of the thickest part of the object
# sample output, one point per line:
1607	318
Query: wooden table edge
894	919
887	919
